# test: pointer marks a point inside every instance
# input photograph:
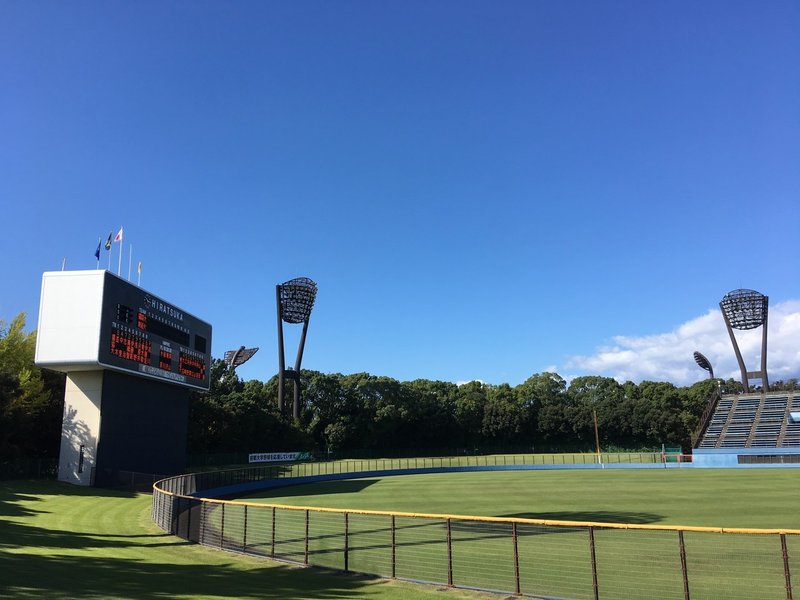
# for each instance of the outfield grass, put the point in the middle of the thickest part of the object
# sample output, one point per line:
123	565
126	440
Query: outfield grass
556	561
62	541
761	498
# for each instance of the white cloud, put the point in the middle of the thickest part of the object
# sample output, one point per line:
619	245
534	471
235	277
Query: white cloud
668	356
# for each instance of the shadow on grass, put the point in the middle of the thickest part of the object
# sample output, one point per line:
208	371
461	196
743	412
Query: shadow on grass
47	487
16	535
37	561
344	486
14	493
596	516
95	577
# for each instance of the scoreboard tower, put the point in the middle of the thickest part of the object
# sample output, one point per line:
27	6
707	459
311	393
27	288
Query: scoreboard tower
131	361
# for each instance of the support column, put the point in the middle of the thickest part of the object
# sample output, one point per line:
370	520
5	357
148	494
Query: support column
80	427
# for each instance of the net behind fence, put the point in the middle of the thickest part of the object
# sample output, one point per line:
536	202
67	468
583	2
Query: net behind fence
524	556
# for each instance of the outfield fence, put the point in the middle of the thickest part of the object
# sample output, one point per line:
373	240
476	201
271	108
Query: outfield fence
540	558
213	479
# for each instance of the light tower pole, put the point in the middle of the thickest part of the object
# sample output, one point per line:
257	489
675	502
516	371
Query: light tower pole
294	300
743	310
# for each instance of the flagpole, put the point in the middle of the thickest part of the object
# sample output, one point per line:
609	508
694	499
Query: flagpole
110	250
119	262
63	263
130	257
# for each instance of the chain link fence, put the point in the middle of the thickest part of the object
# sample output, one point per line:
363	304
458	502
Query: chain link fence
188	484
541	558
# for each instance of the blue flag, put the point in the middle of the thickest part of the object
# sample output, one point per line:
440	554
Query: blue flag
97	252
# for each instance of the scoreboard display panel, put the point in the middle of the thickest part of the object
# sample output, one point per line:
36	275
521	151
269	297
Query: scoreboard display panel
90	320
144	335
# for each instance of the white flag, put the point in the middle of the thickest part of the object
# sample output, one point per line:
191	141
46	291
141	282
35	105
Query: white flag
118	237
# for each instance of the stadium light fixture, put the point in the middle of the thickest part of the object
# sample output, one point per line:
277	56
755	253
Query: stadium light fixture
235	358
294	300
744	310
703	363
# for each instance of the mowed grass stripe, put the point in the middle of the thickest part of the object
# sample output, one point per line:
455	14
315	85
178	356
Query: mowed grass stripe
61	541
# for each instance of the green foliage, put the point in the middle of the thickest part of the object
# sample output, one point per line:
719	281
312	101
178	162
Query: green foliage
363	412
239	416
31	399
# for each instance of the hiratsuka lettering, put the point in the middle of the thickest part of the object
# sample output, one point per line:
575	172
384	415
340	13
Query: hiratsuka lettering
156	304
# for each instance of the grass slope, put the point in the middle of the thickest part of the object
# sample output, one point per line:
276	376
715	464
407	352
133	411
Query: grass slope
62	541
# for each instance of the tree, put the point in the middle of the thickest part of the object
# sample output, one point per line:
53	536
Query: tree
470	403
237	416
661	413
431	420
537	395
503	417
602	395
31	400
695	400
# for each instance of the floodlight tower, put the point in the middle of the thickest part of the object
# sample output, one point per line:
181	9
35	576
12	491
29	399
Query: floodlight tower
743	310
235	358
294	300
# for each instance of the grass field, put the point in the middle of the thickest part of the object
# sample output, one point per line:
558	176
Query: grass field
61	541
556	561
762	498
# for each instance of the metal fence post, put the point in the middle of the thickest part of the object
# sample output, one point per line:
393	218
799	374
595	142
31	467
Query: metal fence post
189	521
516	556
305	556
594	564
787	575
222	528
244	530
202	522
272	548
174	514
394	549
684	571
346	541
449	555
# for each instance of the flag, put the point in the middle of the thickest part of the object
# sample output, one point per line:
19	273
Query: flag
118	237
97	252
108	241
139	268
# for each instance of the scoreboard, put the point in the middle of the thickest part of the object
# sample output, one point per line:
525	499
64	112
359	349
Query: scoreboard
94	319
144	334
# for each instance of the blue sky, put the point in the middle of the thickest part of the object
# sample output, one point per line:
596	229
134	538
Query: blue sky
481	190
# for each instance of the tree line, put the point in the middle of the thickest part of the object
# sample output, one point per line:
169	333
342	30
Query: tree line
363	412
346	414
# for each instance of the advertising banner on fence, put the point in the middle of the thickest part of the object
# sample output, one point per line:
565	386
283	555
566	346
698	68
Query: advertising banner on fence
278	456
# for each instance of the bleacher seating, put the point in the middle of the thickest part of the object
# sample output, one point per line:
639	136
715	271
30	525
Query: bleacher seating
753	421
791	435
